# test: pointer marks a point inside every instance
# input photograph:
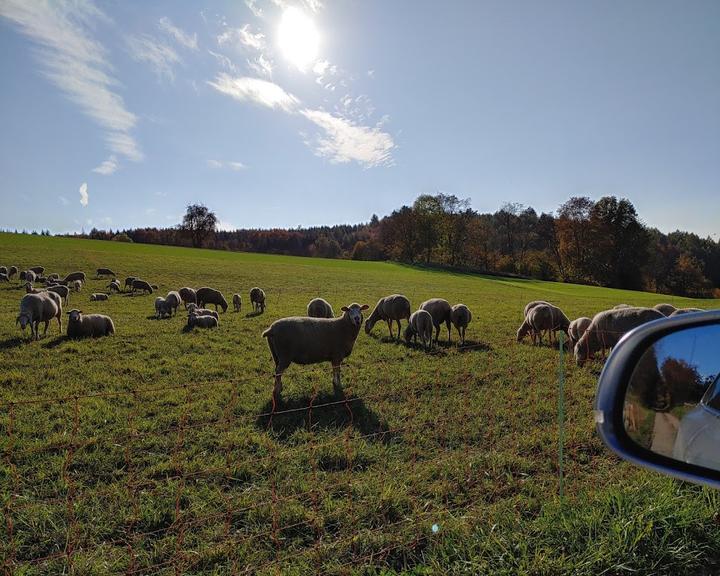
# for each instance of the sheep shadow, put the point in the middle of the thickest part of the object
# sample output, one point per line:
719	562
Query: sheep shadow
386	339
331	411
473	346
11	343
254	314
55	342
153	317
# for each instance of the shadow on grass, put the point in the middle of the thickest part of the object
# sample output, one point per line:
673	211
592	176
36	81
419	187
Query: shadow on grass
55	342
253	314
473	346
13	343
330	411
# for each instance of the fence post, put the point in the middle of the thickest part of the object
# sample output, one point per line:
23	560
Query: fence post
561	412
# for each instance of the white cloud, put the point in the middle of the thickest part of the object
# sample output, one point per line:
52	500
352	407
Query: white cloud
180	37
255	90
64	201
237	166
224	61
84	194
343	141
214	163
261	65
107	167
244	36
151	51
254	8
76	63
232	165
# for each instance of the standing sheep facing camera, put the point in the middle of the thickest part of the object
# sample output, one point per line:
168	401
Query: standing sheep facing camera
89	325
211	296
98	297
460	316
304	340
391	308
319	308
75	285
36	308
439	309
420	324
237	302
173	299
188	296
257	299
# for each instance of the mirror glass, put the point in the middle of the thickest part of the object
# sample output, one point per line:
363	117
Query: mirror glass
672	404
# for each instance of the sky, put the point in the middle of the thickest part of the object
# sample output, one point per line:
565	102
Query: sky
285	113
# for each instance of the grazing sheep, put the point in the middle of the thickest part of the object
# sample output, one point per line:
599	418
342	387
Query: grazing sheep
37	269
420	324
162	307
75	285
30	290
524	330
197	311
304	340
188	296
3	270
530	305
105	272
40	279
665	309
237	302
128	282
257	299
173	299
62	291
12	271
89	325
113	286
53	276
202	321
391	308
460	316
211	296
320	308
76	276
141	285
547	318
98	297
28	276
608	327
439	309
4	277
681	311
36	308
578	326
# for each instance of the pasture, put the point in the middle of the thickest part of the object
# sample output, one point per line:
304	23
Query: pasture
155	450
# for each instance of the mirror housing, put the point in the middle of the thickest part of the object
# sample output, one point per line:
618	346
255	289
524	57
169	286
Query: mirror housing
613	385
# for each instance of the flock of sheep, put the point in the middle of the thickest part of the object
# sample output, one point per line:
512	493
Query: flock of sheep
586	336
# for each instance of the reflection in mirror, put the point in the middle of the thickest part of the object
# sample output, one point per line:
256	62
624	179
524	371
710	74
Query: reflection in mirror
672	403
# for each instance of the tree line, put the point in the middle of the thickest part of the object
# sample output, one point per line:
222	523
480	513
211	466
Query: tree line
601	242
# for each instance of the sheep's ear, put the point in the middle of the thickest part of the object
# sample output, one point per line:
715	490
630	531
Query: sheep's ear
364	307
344	308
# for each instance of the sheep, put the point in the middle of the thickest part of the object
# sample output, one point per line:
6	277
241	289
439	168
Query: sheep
98	297
173	299
162	307
89	325
608	327
128	282
28	276
319	308
53	276
440	311
681	311
113	286
460	316
138	284
391	308
547	318
304	340
36	308
257	299
202	321
3	270
4	277
578	326
524	330
75	285
530	305
211	296
665	309
40	279
188	296
197	311
76	276
621	306
420	324
12	271
104	272
37	269
62	291
30	290
237	302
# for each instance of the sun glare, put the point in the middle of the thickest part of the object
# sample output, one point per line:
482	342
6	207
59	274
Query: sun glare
298	38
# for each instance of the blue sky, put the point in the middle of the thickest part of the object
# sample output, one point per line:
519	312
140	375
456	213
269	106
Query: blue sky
354	107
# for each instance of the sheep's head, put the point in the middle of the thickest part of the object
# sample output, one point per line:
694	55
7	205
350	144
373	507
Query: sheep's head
354	313
523	331
23	319
75	315
409	333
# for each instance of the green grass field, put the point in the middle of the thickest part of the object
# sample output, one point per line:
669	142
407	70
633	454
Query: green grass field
152	451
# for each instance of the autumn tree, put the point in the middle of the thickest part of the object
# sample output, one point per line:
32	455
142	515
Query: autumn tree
199	223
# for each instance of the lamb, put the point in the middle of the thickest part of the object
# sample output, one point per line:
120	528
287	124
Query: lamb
113	286
138	284
4	277
197	311
162	307
319	308
578	327
237	302
76	276
681	311
188	296
211	296
36	308
89	325
62	291
105	272
98	297
440	311
547	318
75	285
173	299
304	340
420	324
391	308
257	299
38	270
608	327
202	321
128	282
665	309
12	271
460	316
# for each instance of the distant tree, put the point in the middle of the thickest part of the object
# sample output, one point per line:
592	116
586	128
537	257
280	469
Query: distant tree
122	237
199	223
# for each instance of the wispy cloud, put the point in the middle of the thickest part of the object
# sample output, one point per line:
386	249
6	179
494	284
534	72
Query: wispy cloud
255	90
76	63
261	65
342	141
154	52
180	36
243	36
107	167
224	61
231	165
254	8
84	198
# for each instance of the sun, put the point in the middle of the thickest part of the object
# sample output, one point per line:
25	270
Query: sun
298	38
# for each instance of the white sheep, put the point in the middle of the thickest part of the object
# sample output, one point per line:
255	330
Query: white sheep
36	308
89	325
420	324
578	327
162	307
197	311
202	321
439	309
460	316
665	309
62	291
173	300
320	308
237	302
547	318
75	285
391	308
98	297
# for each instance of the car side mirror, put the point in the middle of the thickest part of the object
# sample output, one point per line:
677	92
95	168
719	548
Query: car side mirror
658	398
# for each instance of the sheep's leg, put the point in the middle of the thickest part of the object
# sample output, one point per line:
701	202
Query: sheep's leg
437	333
59	319
336	378
447	323
399	330
277	389
389	323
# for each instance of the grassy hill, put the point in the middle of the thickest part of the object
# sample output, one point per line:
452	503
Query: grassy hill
153	451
